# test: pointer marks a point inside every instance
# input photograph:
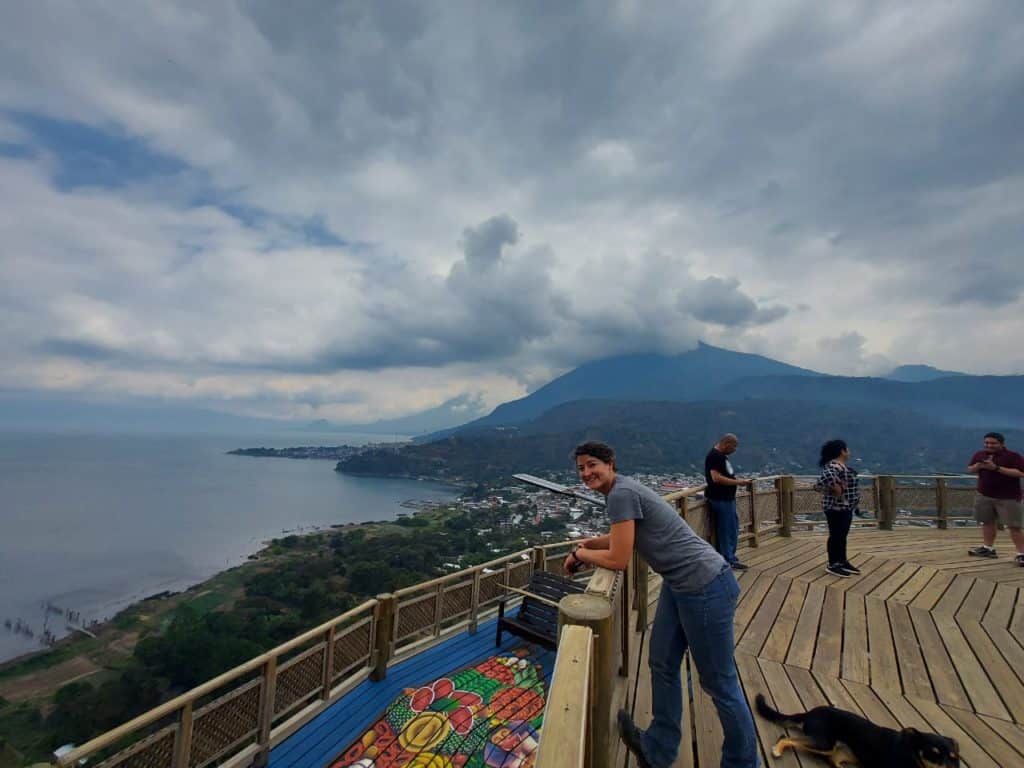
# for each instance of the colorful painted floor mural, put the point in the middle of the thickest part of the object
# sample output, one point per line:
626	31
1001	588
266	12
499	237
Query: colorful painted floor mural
485	716
461	704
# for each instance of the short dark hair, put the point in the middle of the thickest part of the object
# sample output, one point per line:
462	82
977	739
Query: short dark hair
831	450
997	436
597	449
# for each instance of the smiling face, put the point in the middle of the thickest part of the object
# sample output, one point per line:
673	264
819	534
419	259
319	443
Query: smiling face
597	475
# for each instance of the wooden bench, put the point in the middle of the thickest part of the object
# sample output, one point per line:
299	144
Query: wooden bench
537	619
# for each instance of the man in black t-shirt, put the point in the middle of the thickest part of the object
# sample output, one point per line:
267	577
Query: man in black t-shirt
721	495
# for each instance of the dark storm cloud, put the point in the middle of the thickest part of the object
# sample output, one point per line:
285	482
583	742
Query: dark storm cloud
492	303
720	301
482	245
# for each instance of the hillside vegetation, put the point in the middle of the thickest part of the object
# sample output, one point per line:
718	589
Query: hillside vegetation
776	436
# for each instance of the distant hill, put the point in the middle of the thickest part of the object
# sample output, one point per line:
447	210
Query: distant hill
976	401
696	375
919	373
775	436
711	373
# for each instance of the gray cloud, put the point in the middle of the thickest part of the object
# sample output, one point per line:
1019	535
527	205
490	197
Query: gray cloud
482	245
720	301
864	165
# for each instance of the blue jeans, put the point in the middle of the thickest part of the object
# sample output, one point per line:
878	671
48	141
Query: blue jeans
727	528
702	622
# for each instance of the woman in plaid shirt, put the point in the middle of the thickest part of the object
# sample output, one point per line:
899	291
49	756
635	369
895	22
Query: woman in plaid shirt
840	497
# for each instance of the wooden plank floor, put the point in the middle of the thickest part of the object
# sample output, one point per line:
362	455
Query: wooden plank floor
926	636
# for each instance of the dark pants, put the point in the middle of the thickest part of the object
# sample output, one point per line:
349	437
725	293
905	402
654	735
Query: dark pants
701	622
727	527
839	521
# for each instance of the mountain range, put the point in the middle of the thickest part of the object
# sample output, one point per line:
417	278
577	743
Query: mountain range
712	373
663	412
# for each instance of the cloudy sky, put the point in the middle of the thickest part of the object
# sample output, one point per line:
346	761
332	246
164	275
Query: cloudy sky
357	210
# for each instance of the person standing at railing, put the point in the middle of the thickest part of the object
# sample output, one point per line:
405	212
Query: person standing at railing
840	498
695	611
999	471
721	495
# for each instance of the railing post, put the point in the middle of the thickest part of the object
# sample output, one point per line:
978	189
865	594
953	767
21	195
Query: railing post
325	694
640	591
540	562
755	540
268	695
885	488
183	739
595	612
942	502
627	586
438	609
786	488
474	602
387	605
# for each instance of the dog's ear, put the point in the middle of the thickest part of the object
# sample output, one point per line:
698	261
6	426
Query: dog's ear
912	733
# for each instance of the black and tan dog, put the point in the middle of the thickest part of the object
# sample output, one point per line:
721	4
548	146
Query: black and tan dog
842	737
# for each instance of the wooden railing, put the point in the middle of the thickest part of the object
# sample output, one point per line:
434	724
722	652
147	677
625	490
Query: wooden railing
781	503
245	711
238	717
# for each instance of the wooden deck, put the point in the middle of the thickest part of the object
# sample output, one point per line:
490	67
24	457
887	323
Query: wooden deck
926	637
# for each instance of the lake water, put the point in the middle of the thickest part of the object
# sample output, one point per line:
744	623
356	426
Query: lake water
92	523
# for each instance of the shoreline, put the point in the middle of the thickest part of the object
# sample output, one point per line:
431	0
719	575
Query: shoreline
171	598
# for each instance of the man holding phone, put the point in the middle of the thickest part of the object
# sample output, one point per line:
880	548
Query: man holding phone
999	471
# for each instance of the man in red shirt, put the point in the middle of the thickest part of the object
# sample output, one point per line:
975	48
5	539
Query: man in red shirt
999	497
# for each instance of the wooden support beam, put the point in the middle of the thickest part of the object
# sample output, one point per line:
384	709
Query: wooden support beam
386	608
268	695
755	539
474	603
785	487
328	669
942	502
183	738
540	560
885	489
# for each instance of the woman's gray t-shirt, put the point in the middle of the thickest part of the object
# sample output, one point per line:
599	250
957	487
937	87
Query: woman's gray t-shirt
663	538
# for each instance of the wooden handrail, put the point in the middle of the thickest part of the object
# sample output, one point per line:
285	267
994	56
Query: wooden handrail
565	716
461	574
531	595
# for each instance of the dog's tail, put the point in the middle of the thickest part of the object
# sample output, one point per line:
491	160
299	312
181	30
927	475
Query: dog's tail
775	716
